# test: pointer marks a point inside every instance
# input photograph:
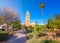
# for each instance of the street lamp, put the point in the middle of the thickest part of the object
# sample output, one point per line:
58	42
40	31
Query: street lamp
42	7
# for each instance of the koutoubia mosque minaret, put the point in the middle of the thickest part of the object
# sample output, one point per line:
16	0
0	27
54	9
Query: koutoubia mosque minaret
27	18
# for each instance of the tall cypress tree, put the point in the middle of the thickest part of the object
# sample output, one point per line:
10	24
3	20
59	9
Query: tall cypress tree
50	22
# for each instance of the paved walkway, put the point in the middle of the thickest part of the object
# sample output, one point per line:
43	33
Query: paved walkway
19	37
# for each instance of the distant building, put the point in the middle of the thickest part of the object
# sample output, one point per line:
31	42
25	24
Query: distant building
0	27
3	27
33	24
27	18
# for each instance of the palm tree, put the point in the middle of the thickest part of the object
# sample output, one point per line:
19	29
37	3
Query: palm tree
42	7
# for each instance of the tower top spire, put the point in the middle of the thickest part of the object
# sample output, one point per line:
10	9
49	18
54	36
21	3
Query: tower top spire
28	12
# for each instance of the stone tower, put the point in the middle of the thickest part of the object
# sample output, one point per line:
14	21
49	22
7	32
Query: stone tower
27	18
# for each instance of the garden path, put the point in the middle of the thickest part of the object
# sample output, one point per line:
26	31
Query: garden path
19	37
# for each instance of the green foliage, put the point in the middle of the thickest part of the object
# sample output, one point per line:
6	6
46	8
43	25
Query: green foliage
50	23
30	27
42	5
42	40
3	35
50	41
1	20
54	24
57	21
29	31
24	26
38	30
16	25
33	40
29	36
54	41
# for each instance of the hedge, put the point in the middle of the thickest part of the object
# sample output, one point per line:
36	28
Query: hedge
3	35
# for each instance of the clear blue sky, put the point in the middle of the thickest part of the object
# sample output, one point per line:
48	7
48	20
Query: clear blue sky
52	7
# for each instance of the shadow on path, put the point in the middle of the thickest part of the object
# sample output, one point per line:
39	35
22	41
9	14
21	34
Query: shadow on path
19	40
19	37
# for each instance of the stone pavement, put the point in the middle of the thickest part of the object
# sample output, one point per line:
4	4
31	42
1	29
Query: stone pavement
19	37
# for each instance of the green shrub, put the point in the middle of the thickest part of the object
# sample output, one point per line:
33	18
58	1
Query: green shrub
29	31
16	25
3	35
42	40
33	40
29	36
54	41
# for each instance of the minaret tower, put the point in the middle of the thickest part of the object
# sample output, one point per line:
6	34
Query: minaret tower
27	18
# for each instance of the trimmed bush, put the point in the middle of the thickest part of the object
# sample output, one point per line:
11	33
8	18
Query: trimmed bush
29	31
3	35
